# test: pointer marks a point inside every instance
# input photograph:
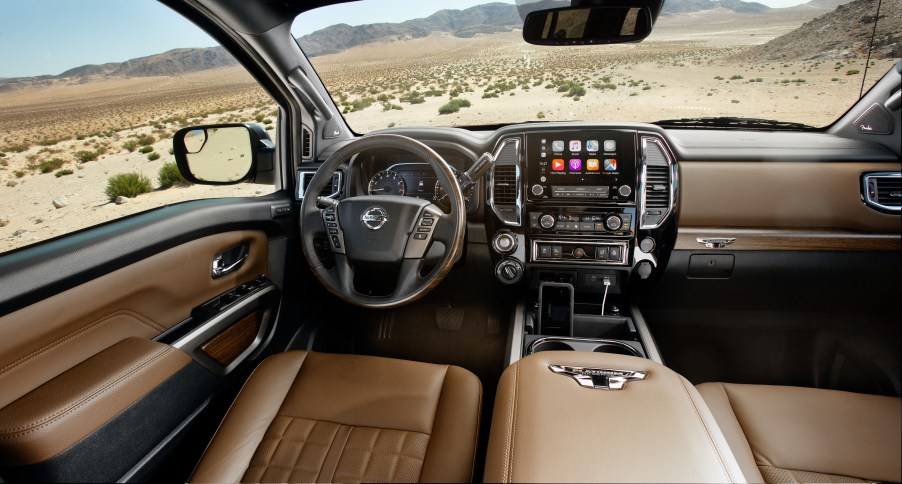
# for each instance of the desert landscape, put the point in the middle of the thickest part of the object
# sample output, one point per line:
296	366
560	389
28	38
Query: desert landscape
63	139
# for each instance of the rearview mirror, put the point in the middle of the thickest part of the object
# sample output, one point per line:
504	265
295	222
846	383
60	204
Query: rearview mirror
587	25
222	154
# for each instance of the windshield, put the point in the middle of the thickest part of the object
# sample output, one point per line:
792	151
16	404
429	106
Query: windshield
390	63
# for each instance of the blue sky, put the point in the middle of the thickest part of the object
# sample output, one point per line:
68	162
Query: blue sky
50	36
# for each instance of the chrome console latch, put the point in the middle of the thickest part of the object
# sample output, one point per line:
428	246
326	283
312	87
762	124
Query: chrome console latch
716	242
598	378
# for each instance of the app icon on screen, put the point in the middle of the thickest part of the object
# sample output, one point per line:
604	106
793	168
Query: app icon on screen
592	145
610	164
576	164
592	164
557	164
610	145
576	145
557	145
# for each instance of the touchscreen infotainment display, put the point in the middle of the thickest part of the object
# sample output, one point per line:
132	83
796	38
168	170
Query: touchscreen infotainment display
598	164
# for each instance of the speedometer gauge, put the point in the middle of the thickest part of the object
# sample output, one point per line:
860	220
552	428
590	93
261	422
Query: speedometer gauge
387	182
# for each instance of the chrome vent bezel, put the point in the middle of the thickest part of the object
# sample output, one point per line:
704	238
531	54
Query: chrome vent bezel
507	219
305	176
306	143
874	201
645	139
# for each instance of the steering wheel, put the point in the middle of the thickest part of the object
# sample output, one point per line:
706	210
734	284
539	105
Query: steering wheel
382	231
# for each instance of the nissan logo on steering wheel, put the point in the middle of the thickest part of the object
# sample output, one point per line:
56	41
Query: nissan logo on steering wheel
374	218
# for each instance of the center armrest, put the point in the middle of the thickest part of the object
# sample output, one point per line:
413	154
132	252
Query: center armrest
547	427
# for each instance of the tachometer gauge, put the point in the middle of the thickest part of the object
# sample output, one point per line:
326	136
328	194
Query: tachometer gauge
442	200
387	182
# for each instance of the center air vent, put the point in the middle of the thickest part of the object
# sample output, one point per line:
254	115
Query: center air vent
659	184
505	185
883	191
504	196
331	190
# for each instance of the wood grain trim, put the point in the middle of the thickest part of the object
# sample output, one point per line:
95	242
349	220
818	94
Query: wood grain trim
232	341
789	239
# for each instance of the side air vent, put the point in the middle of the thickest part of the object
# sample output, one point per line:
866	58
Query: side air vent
306	143
504	186
883	191
331	190
659	184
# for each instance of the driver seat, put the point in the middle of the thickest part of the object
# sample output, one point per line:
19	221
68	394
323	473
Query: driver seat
318	417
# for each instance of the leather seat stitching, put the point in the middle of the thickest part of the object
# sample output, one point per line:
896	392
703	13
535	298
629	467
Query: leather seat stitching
369	455
300	441
755	454
284	468
509	467
105	319
388	452
355	426
476	435
106	386
711	440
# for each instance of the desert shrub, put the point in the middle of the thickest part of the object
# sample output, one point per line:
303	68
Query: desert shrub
383	98
63	173
489	94
50	165
11	183
576	91
16	148
19	173
145	149
267	121
735	77
835	79
852	72
85	156
734	101
356	105
540	115
391	124
718	78
454	106
604	85
127	185
153	156
413	97
50	141
3	222
145	139
169	176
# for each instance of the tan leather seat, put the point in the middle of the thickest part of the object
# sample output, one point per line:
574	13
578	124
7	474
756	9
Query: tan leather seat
317	417
796	434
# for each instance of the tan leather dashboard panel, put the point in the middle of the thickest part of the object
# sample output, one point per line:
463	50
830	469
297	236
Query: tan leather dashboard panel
43	340
792	195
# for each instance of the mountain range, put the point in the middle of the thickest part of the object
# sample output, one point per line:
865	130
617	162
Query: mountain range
481	19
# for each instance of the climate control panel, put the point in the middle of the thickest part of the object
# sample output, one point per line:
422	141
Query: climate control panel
608	252
611	221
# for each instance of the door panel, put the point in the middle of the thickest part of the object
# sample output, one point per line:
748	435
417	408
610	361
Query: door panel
143	299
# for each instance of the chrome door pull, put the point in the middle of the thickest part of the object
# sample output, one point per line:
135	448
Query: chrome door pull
716	242
229	261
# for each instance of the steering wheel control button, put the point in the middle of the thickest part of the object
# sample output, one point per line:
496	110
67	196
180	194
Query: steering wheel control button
546	221
647	245
625	191
427	222
420	236
613	222
335	242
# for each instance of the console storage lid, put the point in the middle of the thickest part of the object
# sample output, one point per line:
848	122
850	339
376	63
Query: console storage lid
546	427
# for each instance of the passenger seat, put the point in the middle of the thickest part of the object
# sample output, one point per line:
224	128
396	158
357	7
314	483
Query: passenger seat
792	434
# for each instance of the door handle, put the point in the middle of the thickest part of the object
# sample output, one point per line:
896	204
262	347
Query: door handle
230	260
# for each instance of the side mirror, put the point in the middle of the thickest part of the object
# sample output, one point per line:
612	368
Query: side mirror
222	154
606	24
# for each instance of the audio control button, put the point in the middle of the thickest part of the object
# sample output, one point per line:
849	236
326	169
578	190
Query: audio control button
613	222
538	190
625	191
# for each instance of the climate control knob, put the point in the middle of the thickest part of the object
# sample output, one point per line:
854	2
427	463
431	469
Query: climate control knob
509	271
546	221
538	190
613	222
625	191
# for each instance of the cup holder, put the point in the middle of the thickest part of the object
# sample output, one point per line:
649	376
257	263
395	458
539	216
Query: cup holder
551	346
616	348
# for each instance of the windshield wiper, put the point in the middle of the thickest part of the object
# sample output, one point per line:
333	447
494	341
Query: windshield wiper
726	122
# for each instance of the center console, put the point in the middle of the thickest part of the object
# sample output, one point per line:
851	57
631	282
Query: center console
584	218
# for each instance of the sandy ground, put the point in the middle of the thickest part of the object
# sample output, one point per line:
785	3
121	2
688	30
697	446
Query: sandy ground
691	66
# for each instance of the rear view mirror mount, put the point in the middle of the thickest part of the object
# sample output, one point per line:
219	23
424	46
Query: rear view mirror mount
224	154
